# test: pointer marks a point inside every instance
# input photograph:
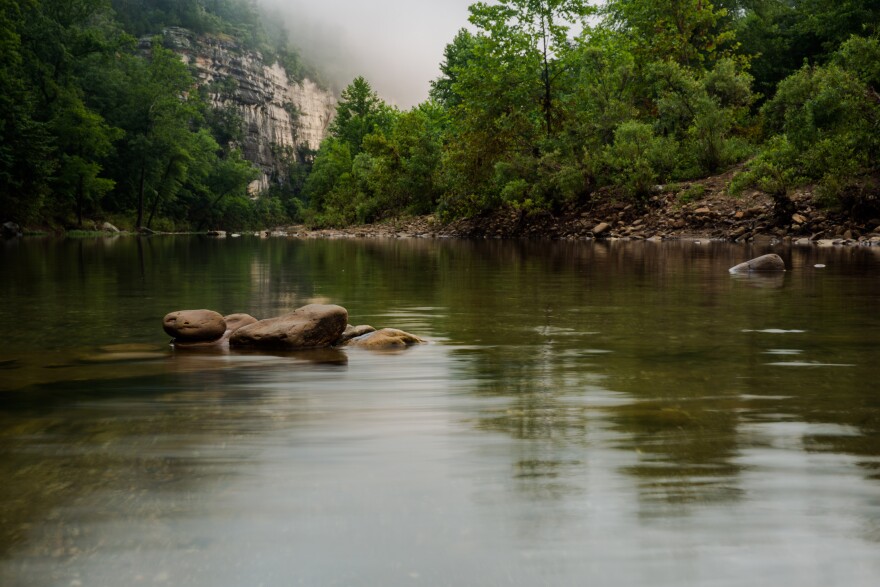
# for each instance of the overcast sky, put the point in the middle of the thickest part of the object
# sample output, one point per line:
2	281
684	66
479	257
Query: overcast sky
396	44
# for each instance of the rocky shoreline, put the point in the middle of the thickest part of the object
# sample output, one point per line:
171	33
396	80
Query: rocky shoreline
692	210
664	217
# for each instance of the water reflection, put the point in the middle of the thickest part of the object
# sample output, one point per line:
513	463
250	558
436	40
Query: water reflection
625	412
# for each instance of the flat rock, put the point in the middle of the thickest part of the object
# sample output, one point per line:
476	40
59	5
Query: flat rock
386	338
771	262
310	327
194	325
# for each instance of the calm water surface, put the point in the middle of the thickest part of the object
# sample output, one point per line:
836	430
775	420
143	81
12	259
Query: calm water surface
611	414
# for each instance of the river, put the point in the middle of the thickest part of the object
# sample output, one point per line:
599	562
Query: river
584	413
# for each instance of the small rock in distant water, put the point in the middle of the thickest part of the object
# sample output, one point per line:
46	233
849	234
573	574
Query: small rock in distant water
10	229
771	262
217	233
194	325
819	266
387	338
309	327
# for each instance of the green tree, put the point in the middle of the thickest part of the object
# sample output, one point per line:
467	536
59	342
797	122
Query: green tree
456	57
688	32
359	112
84	139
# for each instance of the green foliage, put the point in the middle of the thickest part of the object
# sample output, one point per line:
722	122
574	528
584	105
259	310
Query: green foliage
359	112
637	158
692	194
822	122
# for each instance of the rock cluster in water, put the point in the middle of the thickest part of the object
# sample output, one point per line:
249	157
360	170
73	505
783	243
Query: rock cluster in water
314	326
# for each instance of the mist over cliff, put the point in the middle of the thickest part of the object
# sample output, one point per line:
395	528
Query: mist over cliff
396	44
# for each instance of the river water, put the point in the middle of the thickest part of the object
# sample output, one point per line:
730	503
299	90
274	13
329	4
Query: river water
585	413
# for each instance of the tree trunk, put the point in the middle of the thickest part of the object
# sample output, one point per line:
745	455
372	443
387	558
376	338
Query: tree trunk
548	100
79	201
140	205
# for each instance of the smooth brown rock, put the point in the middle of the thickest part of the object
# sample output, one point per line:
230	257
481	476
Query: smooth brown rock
194	325
601	228
236	321
354	331
309	327
386	338
771	262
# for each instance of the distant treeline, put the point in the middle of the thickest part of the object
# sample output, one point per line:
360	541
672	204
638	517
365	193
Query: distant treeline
538	105
93	125
543	102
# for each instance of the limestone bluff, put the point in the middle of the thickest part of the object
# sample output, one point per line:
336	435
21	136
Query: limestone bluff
277	111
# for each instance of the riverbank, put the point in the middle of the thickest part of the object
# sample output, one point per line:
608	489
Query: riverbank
700	209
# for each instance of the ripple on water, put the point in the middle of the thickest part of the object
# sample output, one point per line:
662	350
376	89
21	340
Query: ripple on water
808	364
775	331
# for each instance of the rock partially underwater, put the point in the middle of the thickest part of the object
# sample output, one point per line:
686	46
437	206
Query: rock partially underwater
310	327
771	262
386	338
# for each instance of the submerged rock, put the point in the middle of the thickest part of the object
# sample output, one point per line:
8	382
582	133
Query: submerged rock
309	327
194	325
353	331
771	262
387	338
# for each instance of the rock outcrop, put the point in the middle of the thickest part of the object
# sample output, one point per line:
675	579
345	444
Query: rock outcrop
310	327
279	113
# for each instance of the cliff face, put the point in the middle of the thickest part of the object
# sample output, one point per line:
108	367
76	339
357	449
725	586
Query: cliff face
278	113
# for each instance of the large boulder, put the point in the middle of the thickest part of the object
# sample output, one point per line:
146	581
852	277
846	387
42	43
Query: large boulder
771	262
386	338
194	325
310	327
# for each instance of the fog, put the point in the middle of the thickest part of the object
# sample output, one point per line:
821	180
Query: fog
396	44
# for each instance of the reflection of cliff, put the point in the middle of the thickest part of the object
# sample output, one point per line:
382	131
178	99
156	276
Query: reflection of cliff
277	112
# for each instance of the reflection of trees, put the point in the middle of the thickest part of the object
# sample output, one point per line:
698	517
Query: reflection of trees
683	348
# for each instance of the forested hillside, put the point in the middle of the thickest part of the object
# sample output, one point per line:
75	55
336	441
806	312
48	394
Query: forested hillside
98	123
541	103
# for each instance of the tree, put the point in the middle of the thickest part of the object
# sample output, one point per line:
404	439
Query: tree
456	57
689	32
83	140
535	32
359	112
